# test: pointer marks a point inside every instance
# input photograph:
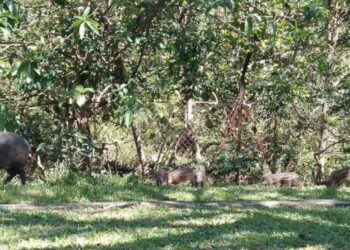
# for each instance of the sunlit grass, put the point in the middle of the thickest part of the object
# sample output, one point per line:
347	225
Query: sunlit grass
75	188
147	227
173	228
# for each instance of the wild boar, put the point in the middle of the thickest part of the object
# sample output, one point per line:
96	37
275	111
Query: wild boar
196	176
288	178
161	177
14	155
339	177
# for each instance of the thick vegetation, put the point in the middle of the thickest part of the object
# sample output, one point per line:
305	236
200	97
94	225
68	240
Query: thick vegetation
243	85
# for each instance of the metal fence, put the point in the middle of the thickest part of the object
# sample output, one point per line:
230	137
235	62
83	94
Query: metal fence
169	138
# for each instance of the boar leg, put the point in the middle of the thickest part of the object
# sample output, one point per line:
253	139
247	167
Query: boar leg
16	168
194	184
12	174
22	175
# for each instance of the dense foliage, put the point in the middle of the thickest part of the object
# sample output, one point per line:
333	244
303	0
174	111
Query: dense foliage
81	79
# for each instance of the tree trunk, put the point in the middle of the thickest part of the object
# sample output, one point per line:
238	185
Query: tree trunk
139	148
333	26
273	162
242	85
323	144
189	117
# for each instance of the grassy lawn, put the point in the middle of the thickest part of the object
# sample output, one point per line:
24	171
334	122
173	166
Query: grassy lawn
72	188
170	228
148	227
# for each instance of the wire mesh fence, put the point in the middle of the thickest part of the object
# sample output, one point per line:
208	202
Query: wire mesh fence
170	138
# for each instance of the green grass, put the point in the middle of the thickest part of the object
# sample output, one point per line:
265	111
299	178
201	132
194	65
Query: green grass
169	228
73	188
148	227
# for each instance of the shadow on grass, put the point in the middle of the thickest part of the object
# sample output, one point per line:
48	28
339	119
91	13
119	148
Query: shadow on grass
316	193
218	228
76	189
89	190
58	225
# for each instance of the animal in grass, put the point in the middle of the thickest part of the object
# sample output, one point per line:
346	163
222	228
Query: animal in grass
161	177
14	155
339	177
281	179
196	175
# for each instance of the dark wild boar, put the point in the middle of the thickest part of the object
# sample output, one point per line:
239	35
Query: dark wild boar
14	155
339	177
288	178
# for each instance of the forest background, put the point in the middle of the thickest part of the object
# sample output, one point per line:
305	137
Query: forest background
245	87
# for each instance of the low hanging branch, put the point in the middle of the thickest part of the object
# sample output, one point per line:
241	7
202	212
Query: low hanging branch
328	147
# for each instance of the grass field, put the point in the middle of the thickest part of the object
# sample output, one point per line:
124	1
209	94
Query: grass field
170	228
148	227
73	188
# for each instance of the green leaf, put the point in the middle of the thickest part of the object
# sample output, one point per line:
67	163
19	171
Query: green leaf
82	30
256	17
37	70
79	89
15	69
271	28
91	90
6	32
29	73
81	100
87	11
248	25
127	118
22	68
40	147
77	22
93	25
142	115
25	71
131	101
